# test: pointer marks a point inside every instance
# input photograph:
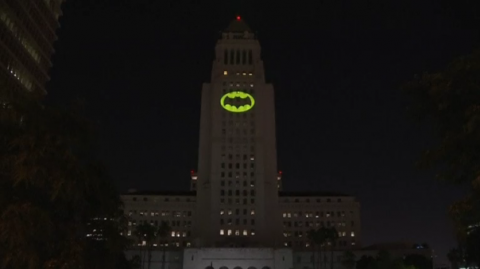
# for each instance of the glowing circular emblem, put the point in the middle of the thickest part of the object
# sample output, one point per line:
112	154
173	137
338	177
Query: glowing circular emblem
237	102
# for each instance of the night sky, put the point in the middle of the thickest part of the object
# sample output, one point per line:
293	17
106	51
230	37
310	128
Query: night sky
336	68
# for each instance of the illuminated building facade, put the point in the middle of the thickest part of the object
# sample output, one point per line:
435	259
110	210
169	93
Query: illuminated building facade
236	209
27	31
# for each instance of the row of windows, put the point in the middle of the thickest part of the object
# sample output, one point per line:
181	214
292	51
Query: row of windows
237	165
237	148
317	214
238	132
307	245
172	223
237	174
21	38
166	199
237	193
177	214
175	244
237	184
21	77
21	66
238	140
230	201
237	221
236	232
237	84
43	39
238	157
316	224
225	73
307	200
236	211
38	22
232	57
300	234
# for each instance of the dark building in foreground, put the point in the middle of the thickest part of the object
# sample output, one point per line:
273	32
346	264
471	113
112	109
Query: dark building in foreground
27	33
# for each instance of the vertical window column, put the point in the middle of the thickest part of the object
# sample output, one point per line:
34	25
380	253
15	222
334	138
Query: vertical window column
225	57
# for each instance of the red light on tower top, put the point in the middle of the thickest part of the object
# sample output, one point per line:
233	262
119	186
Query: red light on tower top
238	18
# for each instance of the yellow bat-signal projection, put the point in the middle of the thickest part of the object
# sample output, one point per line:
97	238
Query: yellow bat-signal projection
237	101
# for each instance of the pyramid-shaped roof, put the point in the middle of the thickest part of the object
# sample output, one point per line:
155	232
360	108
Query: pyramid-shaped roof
238	25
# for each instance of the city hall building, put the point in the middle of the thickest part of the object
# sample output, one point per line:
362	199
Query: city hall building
236	214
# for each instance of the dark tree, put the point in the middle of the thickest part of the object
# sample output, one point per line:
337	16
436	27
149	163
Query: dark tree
418	261
51	188
366	262
450	100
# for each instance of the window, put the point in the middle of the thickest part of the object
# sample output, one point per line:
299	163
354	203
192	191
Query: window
352	234
225	73
225	57
252	212
221	232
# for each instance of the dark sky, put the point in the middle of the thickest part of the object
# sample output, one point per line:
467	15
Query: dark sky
336	67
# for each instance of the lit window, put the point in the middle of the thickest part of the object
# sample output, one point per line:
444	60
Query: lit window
229	232
237	232
251	85
225	73
252	212
353	234
221	212
252	232
245	232
249	74
221	232
229	212
173	234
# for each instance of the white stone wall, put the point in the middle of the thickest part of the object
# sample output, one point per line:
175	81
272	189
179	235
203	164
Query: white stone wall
303	213
237	258
177	210
173	259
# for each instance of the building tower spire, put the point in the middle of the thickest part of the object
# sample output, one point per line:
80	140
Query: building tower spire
237	190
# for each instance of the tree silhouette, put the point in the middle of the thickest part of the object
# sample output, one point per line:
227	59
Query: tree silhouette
348	260
162	233
52	188
450	99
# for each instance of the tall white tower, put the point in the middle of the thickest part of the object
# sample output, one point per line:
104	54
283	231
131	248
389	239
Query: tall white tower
237	191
